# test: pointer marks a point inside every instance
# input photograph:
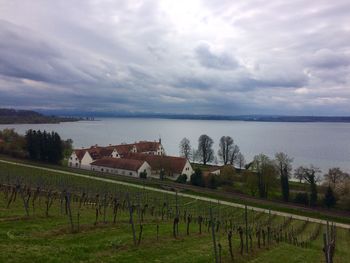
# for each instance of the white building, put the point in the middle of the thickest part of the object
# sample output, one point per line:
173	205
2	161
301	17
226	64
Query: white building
172	166
121	166
82	158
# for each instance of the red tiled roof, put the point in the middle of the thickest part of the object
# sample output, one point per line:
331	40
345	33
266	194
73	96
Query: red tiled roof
157	162
98	152
123	148
118	163
80	153
147	146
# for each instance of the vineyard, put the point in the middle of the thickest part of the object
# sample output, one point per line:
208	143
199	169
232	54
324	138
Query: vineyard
52	217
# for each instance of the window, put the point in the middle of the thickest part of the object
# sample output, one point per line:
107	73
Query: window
101	169
71	158
76	164
70	163
130	173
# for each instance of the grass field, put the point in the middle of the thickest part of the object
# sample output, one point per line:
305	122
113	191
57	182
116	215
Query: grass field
331	215
42	238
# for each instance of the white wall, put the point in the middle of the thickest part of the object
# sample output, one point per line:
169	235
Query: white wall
160	150
115	154
188	170
86	161
73	161
115	171
147	167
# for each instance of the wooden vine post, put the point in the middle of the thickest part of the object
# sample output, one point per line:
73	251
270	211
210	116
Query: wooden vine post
329	242
246	228
131	218
213	235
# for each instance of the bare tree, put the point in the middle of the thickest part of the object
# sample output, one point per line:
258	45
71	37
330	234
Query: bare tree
240	161
205	150
266	174
185	148
194	155
284	168
234	154
303	173
335	176
310	175
225	148
299	173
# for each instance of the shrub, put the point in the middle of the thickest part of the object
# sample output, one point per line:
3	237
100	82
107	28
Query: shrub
213	181
329	198
143	175
302	198
197	178
182	179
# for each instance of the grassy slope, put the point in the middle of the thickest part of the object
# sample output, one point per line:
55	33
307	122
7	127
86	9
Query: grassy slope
40	239
273	206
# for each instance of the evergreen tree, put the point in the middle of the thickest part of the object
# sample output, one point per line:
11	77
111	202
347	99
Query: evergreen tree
329	198
313	194
43	146
197	178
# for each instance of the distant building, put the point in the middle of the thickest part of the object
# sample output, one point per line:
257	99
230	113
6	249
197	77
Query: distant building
172	166
121	166
75	158
82	158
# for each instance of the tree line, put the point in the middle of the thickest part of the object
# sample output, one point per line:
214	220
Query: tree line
229	152
35	145
263	174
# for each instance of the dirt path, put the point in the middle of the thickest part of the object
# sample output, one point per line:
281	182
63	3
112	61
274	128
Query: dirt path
207	199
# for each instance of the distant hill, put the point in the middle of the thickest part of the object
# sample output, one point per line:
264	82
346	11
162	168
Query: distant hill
252	118
12	116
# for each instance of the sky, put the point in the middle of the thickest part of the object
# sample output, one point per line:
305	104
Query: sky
184	57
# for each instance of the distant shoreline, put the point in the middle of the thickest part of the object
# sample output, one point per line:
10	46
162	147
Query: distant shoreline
12	116
292	119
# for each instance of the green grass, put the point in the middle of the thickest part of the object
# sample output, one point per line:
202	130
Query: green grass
41	239
38	238
198	191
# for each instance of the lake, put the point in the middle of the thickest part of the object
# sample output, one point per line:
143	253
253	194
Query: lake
324	145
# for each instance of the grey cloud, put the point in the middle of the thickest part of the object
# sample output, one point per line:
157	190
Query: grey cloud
203	57
209	59
326	58
26	55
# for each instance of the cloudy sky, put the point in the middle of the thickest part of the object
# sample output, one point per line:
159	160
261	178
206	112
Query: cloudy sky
200	57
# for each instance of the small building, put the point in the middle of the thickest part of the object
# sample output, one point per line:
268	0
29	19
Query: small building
172	166
75	158
121	166
215	170
82	158
148	147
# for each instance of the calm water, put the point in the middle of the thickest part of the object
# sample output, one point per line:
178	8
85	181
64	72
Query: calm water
322	144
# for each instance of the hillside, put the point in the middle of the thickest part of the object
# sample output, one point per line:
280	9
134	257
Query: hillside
107	221
12	116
